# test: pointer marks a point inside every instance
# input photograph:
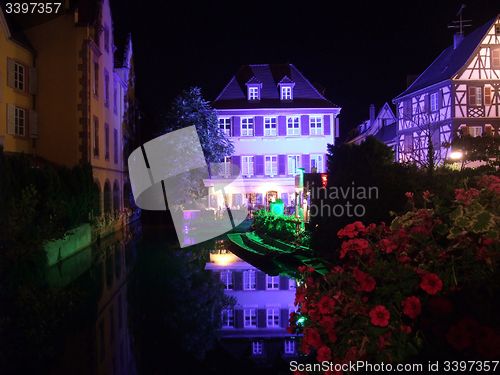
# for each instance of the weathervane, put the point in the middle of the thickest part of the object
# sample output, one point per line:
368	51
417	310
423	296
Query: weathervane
460	22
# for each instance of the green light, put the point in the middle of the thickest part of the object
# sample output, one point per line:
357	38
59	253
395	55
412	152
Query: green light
301	320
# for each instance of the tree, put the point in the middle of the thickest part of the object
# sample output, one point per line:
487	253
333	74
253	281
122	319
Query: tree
485	148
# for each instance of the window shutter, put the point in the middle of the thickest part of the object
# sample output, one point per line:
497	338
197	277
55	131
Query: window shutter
236	161
259	164
306	163
282	125
325	169
326	125
281	164
33	81
487	95
495	58
259	126
11	80
284	318
488	129
236	126
261	318
238	281
33	121
238	318
472	96
260	280
464	129
284	283
284	198
11	119
304	125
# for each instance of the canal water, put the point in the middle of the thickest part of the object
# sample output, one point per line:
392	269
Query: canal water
148	307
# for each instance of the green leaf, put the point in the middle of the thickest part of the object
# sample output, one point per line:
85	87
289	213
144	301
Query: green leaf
457	213
482	222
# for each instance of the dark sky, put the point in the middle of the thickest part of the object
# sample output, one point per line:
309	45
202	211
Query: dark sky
360	51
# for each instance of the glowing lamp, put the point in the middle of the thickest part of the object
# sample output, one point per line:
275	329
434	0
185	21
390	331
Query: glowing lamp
456	155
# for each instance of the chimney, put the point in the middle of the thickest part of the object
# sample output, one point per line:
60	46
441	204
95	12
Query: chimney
372	114
457	38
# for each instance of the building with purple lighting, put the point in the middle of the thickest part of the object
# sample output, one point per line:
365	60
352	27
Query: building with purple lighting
278	122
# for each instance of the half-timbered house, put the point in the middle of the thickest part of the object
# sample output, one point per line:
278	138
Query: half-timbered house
459	91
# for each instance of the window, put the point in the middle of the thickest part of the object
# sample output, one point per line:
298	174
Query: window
19	76
293	164
95	80
269	126
475	96
292	126
286	93
226	167
434	102
272	282
317	162
249	280
96	137
289	346
226	278
19	121
273	317
106	141
475	131
495	58
292	284
115	98
115	145
271	165
408	143
247	165
247	127
253	93
257	347
316	125
227	318
487	95
225	126
249	318
106	88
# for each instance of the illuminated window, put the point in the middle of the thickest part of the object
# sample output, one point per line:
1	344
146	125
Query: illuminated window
269	126
475	131
434	102
226	167
249	280
495	58
227	318
225	126
272	282
293	164
316	125
249	318
226	277
271	165
286	93
19	76
475	96
273	317
289	346
247	165
293	126
247	127
257	347
317	162
253	93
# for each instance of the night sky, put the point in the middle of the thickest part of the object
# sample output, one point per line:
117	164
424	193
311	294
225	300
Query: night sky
360	51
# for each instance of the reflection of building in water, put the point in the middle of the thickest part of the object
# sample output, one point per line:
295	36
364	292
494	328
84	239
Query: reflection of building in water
256	327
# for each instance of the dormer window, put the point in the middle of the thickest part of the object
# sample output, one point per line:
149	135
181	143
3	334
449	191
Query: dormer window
253	93
286	88
286	93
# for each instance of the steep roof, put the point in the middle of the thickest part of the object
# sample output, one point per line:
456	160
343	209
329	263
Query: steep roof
387	134
450	61
305	95
15	30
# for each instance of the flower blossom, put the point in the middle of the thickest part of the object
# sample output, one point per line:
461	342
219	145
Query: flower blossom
380	316
412	307
431	283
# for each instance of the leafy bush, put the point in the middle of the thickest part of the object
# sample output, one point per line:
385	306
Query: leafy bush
281	227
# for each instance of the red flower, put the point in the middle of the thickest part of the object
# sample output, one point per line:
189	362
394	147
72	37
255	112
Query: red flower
367	282
470	325
312	337
380	316
488	344
458	337
412	307
359	244
431	283
331	335
382	340
324	354
406	329
440	306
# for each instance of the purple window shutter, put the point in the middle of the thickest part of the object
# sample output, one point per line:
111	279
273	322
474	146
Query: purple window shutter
282	125
236	126
259	161
281	164
304	125
284	318
326	125
236	162
306	163
259	126
324	160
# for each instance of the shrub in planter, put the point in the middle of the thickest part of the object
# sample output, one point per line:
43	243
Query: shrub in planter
424	288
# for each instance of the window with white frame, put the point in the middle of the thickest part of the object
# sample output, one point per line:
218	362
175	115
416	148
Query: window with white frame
257	347
476	96
253	93
434	102
226	278
269	126
249	280
289	346
271	165
487	95
475	131
292	284
227	316
317	162
293	126
249	318
19	121
226	167
272	282
495	58
286	93
225	126
316	125
247	127
273	317
19	76
247	165
293	164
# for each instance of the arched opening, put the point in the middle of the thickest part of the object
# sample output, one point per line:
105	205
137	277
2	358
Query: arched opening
97	207
116	196
107	197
